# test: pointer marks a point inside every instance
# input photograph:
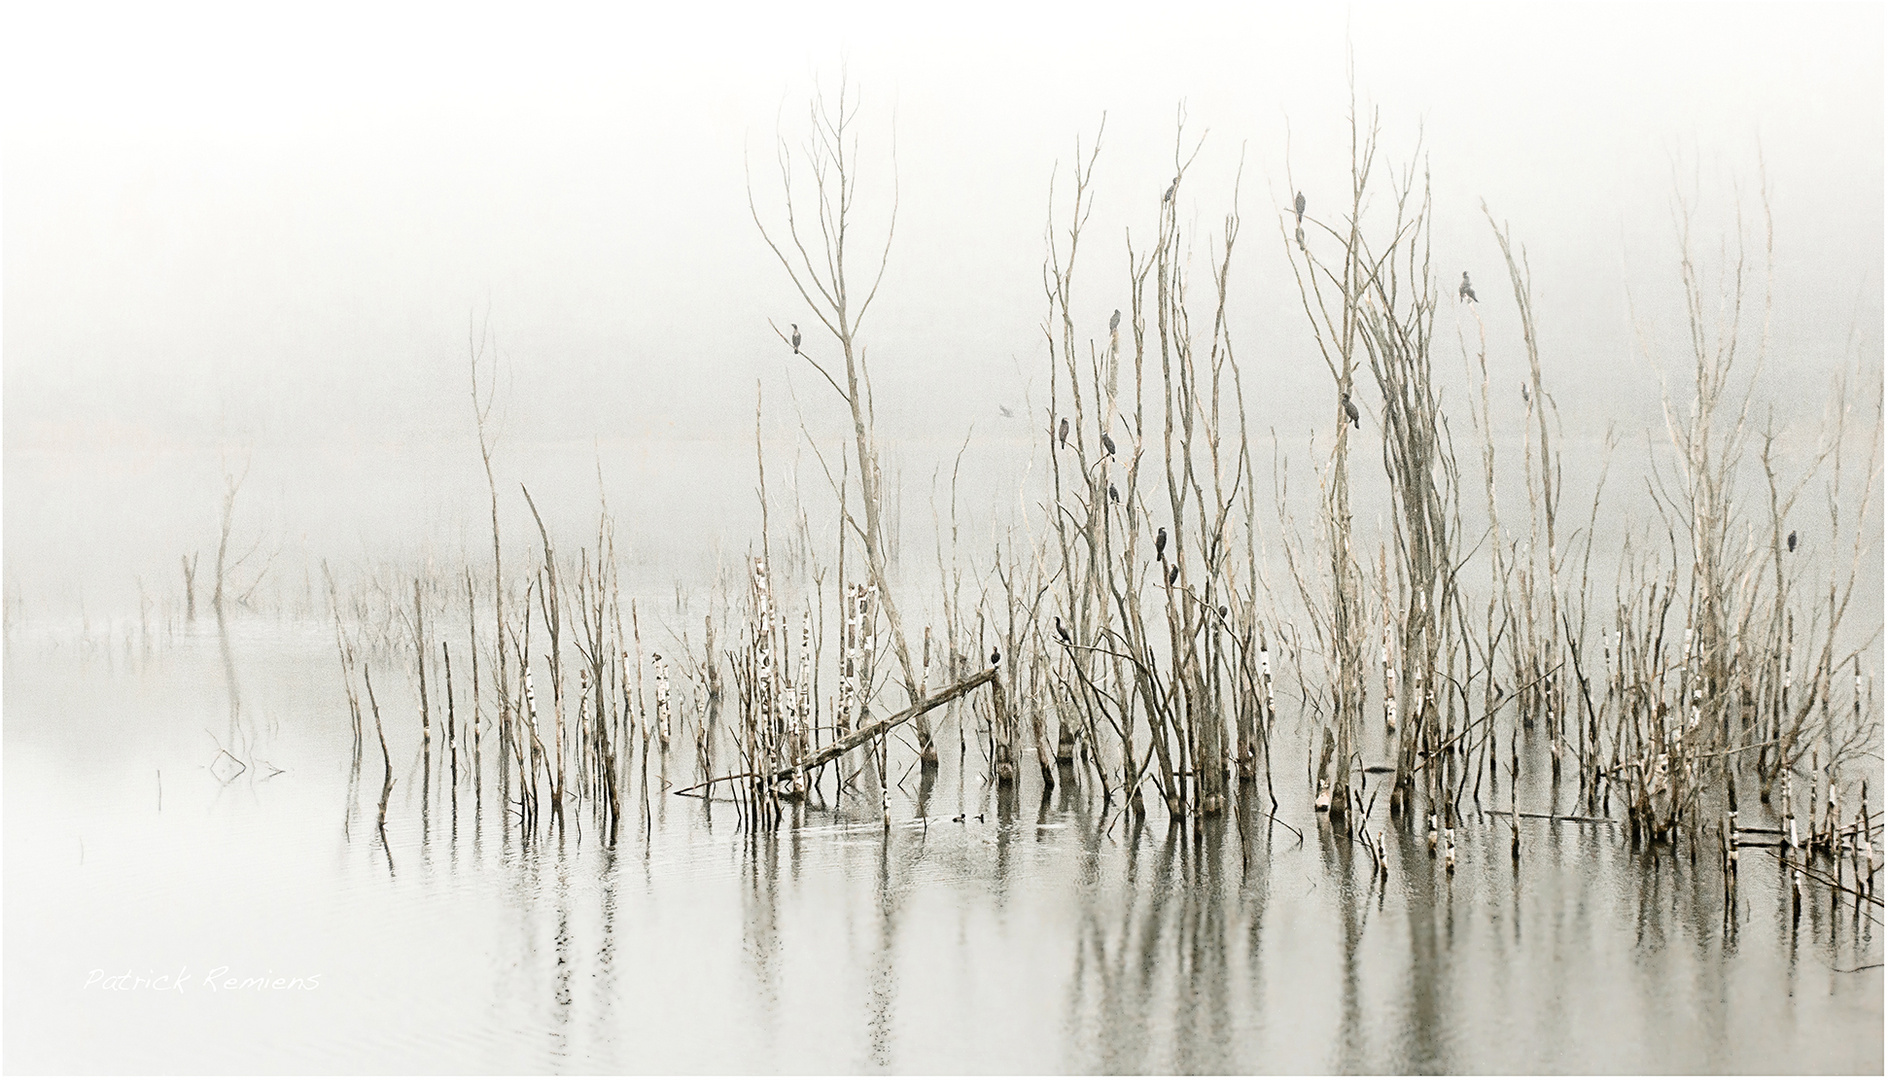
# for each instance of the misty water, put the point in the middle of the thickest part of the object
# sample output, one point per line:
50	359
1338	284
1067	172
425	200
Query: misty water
984	930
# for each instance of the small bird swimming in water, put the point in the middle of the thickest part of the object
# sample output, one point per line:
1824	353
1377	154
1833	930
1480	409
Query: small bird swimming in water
1107	444
1064	432
1298	207
1792	540
1173	573
1113	495
1350	413
1114	321
1061	631
1467	291
796	338
1160	544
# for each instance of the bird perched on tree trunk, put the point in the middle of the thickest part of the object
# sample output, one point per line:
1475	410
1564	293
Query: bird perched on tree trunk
1350	413
1061	631
1526	398
1298	207
1107	444
1467	291
1160	544
1063	433
1114	321
1792	540
1167	198
995	656
1113	495
796	338
1173	573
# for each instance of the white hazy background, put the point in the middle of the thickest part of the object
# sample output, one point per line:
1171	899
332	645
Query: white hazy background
257	235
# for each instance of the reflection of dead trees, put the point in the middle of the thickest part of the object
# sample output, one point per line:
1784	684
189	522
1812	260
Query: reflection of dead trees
228	589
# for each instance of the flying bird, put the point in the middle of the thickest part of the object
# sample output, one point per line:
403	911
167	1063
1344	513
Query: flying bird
1160	544
1107	444
1350	413
1792	540
1064	432
1113	495
796	338
1114	321
1298	207
1061	631
1467	291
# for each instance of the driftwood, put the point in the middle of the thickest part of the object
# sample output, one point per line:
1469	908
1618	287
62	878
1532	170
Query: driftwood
863	735
874	730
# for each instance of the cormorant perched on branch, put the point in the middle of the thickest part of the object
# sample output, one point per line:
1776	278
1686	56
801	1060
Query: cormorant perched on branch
1107	444
995	657
1173	573
1350	413
1298	207
1061	631
1113	495
1467	291
1167	198
1792	540
1064	432
796	338
1526	398
1114	321
1160	544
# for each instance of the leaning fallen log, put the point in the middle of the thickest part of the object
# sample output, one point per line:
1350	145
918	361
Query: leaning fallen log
874	730
863	735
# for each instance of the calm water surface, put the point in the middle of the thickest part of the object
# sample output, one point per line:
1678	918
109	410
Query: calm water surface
1037	935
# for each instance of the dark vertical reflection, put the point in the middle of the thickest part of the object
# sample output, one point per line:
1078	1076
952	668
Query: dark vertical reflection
1340	869
882	982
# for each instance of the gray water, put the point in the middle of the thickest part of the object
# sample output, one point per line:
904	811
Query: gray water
1041	933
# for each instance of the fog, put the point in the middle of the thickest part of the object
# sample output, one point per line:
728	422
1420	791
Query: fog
240	240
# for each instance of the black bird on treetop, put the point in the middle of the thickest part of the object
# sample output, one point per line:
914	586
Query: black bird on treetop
1467	291
1160	544
1064	432
1350	412
796	338
1167	198
1173	573
1114	321
1113	495
1060	631
1107	444
994	656
1298	207
1792	540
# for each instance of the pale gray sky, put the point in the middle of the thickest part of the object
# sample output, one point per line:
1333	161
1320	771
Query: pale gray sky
257	229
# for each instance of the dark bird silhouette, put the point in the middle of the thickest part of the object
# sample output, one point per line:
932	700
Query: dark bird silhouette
1222	611
1526	398
1301	237
1350	413
1792	540
796	338
1064	432
1298	207
1107	444
1173	573
1160	544
1167	198
1113	495
1114	321
1005	410
1467	291
1061	631
995	656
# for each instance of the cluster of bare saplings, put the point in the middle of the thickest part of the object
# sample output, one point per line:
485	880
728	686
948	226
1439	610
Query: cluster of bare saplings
1128	634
